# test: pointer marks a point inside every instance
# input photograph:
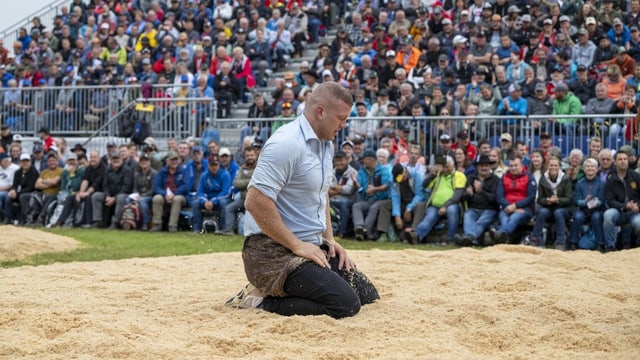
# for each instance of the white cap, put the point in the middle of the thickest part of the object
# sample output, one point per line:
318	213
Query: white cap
25	156
327	72
104	26
17	137
224	151
459	39
391	53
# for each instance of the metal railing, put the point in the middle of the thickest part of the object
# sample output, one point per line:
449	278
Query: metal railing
47	14
105	111
567	132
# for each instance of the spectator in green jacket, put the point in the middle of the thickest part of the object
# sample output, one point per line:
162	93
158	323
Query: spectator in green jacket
565	103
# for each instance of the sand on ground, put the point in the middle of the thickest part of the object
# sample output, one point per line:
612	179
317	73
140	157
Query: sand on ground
503	302
19	242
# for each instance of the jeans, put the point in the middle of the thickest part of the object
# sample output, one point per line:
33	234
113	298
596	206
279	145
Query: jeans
579	218
4	200
509	223
614	218
432	218
344	205
230	211
476	221
145	208
314	290
559	216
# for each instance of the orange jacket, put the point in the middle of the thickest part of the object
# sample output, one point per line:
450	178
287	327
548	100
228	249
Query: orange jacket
614	90
627	68
411	62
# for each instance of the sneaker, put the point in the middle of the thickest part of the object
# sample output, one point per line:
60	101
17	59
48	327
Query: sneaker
411	237
458	240
503	237
248	298
173	229
361	233
144	227
156	228
383	238
493	236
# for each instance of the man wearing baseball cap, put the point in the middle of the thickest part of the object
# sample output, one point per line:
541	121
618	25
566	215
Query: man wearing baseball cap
212	192
170	188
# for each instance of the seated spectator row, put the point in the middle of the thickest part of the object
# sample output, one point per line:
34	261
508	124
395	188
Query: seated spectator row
125	188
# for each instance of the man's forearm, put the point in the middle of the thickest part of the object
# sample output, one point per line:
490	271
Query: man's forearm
266	215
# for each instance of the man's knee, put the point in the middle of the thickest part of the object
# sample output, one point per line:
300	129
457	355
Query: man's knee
610	216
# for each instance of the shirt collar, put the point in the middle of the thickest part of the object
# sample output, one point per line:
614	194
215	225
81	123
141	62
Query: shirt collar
306	129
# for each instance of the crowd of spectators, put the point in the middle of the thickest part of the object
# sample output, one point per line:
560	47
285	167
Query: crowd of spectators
214	49
55	186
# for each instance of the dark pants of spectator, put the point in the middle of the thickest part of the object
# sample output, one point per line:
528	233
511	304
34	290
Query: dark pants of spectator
225	99
314	290
121	200
89	216
298	38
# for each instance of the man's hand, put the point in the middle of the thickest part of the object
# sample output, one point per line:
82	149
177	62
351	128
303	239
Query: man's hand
110	201
398	222
344	261
168	198
442	211
12	194
314	253
407	216
208	205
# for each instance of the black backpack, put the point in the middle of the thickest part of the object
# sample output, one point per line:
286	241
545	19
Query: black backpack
141	131
126	124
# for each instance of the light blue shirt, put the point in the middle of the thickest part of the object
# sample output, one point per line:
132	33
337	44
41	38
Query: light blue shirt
294	170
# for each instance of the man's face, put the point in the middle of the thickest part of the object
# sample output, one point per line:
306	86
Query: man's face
115	162
250	157
522	150
414	155
361	110
124	153
197	156
484	170
52	163
347	150
594	147
214	167
225	160
484	149
605	160
515	166
340	163
25	164
445	144
183	150
358	147
622	161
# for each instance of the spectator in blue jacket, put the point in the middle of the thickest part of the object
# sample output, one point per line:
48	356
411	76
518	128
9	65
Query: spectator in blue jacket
212	194
619	34
227	163
406	193
513	104
373	183
170	189
588	200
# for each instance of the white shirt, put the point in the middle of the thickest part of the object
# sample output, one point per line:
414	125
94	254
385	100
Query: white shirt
6	176
295	170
